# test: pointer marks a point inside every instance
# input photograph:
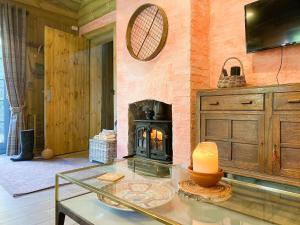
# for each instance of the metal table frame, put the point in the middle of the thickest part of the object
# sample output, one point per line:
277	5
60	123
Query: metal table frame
62	211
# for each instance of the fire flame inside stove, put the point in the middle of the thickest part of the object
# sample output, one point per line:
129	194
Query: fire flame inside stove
156	134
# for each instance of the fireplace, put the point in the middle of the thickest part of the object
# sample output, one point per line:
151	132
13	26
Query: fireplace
150	130
153	139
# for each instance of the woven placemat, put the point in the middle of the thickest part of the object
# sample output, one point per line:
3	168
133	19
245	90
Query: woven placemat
220	192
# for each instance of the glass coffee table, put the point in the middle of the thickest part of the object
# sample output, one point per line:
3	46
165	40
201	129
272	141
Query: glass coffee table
148	194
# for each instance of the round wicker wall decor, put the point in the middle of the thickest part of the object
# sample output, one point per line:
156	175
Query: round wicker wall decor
147	32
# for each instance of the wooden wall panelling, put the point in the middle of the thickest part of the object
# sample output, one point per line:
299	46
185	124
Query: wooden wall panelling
101	87
100	32
67	92
95	89
107	113
49	7
71	5
37	19
93	9
35	95
98	36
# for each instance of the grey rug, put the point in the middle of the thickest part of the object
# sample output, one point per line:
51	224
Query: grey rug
19	178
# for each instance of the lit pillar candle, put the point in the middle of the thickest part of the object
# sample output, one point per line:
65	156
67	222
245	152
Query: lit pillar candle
205	158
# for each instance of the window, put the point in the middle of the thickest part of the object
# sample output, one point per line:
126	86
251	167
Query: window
4	108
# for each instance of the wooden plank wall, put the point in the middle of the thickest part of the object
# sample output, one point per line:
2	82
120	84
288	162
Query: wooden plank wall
101	87
107	113
95	88
100	36
37	19
93	9
67	90
50	6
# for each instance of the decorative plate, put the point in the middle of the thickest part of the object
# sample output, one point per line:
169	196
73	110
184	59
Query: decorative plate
147	32
147	194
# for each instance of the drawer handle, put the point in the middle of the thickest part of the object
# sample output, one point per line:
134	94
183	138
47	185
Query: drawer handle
215	103
294	101
247	103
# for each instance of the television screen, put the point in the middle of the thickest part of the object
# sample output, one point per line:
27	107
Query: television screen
272	23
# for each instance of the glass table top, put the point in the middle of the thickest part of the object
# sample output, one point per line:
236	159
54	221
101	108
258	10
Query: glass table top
249	204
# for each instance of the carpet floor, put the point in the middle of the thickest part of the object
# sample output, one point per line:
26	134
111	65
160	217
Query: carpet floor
19	178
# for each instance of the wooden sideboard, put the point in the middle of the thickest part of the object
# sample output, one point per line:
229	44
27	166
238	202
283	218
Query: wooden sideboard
257	130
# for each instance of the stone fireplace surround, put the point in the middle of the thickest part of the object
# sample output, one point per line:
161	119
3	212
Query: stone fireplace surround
180	116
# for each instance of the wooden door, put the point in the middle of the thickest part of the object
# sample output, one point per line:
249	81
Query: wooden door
286	145
66	92
240	139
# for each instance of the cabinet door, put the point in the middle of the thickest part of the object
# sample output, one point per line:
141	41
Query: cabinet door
240	139
286	145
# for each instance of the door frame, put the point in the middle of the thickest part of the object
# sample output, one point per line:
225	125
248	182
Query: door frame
100	36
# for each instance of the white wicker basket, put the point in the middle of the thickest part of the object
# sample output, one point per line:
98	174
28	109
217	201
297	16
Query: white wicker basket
102	151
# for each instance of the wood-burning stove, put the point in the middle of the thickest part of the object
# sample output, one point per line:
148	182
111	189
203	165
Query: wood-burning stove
153	139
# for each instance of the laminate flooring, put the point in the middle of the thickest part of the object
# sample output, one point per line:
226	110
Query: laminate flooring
32	209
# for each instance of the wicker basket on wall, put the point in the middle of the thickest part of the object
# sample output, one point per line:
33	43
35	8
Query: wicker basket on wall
229	81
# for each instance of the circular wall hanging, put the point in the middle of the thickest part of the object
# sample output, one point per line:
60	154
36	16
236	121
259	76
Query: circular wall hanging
147	32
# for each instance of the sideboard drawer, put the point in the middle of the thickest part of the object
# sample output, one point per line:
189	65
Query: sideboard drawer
233	102
287	101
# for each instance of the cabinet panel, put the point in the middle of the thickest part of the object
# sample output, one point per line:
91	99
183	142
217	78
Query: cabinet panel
218	128
224	150
290	158
246	130
286	146
245	153
240	140
290	132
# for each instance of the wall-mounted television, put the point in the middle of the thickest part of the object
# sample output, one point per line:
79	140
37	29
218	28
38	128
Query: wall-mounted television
271	24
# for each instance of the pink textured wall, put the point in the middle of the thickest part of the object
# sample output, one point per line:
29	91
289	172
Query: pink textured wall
165	78
227	38
202	34
199	55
